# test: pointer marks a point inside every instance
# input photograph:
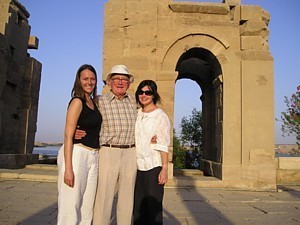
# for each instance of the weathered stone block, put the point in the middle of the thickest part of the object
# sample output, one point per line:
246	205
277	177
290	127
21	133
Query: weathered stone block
255	56
288	176
33	42
255	28
201	7
254	43
232	2
137	62
289	163
141	8
261	156
253	12
12	161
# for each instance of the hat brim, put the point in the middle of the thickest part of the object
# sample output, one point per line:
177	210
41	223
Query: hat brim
110	75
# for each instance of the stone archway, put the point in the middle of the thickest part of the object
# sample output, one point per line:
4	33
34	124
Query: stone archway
201	66
228	45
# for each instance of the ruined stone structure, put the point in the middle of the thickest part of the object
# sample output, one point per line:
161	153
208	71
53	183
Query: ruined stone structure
20	77
224	48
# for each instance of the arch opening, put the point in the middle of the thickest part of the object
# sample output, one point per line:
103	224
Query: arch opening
187	99
202	66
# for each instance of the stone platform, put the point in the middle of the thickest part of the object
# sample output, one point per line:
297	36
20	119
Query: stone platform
29	197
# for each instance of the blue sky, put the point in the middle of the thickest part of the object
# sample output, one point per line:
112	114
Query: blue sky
70	34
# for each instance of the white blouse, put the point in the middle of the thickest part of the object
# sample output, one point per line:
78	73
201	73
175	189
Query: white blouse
148	125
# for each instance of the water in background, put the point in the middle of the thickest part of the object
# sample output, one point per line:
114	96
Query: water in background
48	150
53	150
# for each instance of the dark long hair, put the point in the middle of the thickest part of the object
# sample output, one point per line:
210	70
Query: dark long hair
77	89
152	86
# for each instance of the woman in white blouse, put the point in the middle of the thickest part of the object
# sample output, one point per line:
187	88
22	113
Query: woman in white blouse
152	159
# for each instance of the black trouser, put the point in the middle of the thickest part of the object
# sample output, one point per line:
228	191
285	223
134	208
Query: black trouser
148	197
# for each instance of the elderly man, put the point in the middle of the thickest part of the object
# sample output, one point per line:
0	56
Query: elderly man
117	156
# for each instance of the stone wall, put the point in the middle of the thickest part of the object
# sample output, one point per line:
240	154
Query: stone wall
20	77
288	170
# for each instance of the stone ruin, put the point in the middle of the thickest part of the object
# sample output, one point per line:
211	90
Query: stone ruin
20	77
223	47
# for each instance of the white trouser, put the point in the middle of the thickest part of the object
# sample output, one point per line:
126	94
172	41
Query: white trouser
75	205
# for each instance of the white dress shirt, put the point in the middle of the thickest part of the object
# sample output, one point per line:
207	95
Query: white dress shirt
148	125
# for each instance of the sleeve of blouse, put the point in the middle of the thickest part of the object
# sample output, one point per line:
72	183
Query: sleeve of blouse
163	133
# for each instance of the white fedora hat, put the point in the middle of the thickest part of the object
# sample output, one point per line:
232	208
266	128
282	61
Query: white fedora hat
121	70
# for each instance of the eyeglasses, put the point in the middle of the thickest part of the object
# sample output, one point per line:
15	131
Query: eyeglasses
148	93
119	79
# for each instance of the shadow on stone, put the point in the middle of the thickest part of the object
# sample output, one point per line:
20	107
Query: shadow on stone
45	216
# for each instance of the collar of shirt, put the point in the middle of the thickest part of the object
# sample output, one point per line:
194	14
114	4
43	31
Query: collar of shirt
149	114
112	96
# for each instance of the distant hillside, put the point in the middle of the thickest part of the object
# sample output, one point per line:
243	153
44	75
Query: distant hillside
45	144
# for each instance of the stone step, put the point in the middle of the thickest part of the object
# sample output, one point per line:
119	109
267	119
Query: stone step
34	174
177	172
187	172
48	173
197	181
42	167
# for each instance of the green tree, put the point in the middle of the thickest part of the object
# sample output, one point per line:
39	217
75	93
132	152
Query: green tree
191	130
291	117
191	138
178	153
